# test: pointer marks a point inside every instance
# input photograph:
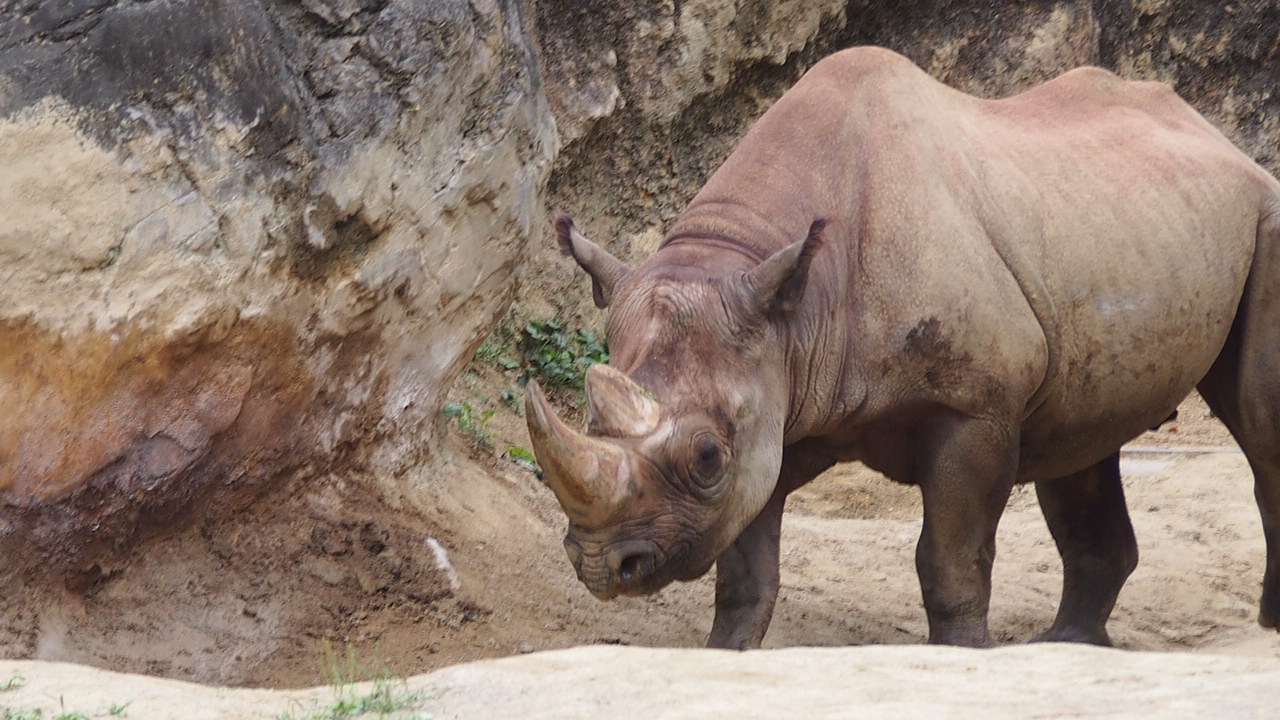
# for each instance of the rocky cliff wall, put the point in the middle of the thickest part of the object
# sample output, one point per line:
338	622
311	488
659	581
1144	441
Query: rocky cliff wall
244	244
630	162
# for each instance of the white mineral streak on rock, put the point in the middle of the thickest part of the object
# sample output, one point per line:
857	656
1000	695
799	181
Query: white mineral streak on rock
442	562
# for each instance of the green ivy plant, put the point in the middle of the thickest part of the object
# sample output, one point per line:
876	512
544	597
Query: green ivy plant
558	357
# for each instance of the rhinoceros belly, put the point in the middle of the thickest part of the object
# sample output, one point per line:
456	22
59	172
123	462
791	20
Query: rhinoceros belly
1133	340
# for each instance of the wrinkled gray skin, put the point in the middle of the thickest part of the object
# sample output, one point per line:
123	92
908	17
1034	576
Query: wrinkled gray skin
1004	291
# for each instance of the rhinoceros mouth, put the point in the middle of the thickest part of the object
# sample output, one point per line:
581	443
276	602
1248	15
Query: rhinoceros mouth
630	568
600	585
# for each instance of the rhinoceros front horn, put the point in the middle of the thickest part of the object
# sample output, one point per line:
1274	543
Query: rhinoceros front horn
588	475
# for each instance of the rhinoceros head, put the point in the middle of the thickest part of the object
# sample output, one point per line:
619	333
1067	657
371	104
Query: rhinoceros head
684	438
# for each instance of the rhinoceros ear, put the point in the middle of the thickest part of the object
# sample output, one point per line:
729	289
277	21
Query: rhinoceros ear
778	282
606	271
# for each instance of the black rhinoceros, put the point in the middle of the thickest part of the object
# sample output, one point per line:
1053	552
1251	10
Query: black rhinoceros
961	293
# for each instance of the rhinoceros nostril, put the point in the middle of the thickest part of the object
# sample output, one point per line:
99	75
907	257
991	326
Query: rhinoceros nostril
634	566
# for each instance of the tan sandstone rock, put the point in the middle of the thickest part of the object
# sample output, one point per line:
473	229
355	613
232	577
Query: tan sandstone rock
896	683
241	248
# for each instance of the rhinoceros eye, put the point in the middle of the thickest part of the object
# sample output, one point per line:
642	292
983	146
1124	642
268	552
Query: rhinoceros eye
708	459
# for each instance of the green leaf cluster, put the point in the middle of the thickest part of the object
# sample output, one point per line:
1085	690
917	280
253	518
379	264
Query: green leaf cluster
559	357
470	421
386	699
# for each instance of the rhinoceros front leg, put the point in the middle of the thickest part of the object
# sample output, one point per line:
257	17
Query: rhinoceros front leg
1088	519
747	581
965	469
747	573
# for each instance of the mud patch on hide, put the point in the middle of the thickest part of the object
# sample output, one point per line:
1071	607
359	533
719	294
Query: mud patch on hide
932	352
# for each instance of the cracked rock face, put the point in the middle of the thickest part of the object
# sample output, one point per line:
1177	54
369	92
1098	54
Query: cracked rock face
242	243
650	97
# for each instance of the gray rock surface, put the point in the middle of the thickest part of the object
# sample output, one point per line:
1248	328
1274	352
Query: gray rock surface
648	108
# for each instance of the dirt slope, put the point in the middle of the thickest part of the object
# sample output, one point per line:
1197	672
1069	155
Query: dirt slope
239	604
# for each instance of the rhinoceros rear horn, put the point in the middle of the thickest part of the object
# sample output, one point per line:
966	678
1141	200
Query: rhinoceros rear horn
587	475
617	406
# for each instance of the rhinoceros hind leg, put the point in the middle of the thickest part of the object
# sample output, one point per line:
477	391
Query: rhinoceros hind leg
1243	389
1088	519
1253	422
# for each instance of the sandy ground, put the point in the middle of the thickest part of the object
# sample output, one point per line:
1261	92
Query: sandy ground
848	574
502	587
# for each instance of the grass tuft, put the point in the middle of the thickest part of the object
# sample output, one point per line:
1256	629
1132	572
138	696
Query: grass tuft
386	699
